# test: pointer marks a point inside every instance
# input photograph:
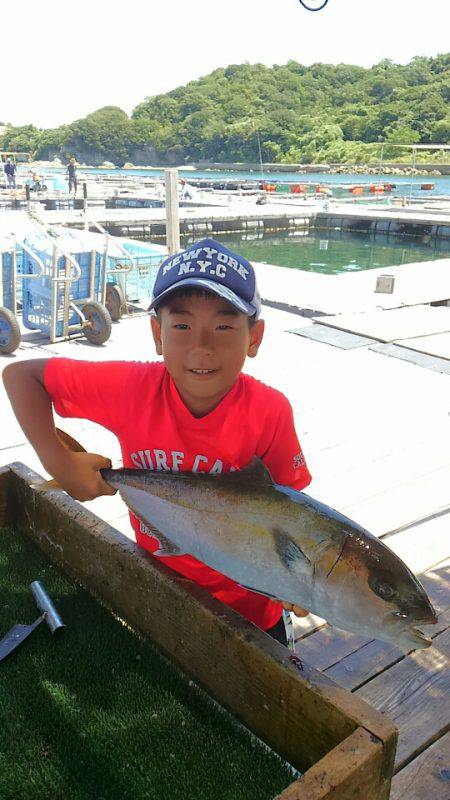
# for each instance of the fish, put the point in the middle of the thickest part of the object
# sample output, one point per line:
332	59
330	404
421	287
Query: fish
282	543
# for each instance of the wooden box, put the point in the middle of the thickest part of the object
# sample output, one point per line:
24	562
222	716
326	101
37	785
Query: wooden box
344	748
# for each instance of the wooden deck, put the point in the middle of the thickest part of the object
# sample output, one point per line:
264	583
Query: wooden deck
413	690
376	433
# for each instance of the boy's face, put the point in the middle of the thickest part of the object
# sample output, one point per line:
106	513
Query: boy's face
204	342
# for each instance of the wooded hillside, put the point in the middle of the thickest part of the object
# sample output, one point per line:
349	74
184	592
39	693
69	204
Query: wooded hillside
321	113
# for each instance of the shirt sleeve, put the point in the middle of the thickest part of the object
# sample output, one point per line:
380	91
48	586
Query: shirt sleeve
284	457
103	392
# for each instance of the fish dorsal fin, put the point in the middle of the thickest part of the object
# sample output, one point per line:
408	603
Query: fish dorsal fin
256	470
69	442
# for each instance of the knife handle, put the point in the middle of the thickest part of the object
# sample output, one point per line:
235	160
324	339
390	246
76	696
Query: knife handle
45	604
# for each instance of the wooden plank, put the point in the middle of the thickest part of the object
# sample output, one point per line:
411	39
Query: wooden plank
349	772
351	659
399	323
373	658
404	353
382	446
428	776
414	694
328	646
380	476
363	372
405	504
436	345
421	546
249	673
332	336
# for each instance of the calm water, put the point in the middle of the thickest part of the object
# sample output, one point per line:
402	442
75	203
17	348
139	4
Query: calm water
404	184
330	252
333	252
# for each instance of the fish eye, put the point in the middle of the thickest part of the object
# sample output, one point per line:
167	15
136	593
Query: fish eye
382	589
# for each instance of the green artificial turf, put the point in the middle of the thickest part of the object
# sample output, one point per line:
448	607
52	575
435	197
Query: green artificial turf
95	714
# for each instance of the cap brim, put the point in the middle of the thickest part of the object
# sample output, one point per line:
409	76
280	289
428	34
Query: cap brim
210	286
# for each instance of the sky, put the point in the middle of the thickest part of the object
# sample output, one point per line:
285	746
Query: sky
62	59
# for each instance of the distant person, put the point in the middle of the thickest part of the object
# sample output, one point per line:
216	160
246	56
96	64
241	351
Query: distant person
10	172
37	186
72	175
186	190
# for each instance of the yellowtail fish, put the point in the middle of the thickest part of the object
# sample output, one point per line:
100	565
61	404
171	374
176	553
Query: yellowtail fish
281	543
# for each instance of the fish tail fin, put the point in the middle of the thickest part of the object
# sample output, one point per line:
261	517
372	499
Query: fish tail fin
46	486
69	442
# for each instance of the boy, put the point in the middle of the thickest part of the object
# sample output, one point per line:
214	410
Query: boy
194	412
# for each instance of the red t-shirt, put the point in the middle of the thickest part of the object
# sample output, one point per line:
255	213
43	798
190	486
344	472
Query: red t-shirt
140	404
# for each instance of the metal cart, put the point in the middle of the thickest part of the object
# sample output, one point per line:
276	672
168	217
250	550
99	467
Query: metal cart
131	267
67	298
12	252
130	291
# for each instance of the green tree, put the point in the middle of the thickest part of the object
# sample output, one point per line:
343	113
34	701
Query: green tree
440	132
320	112
24	138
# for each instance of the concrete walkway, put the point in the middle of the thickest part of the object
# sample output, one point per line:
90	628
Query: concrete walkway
416	283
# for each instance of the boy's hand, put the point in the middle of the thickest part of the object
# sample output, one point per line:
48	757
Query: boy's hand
79	476
298	610
77	473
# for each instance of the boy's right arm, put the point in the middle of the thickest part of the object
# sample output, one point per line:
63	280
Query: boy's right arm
77	473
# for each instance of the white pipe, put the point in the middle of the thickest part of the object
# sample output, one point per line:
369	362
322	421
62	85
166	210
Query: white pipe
32	255
71	260
125	252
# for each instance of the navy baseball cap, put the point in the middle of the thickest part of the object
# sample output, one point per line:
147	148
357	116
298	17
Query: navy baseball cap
211	266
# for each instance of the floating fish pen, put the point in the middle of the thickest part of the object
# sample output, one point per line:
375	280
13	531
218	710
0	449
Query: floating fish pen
342	747
212	222
372	224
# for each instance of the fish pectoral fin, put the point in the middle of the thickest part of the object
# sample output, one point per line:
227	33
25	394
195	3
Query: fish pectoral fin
289	551
166	546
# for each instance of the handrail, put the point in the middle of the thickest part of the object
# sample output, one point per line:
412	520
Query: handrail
125	252
63	252
35	257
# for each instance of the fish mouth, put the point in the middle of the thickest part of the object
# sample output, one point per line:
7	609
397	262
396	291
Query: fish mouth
417	638
409	634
